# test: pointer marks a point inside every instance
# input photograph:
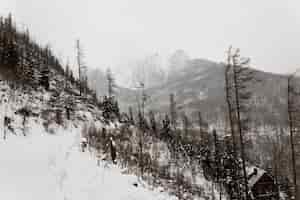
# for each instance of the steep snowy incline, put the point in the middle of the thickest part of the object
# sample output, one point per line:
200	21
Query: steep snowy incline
52	167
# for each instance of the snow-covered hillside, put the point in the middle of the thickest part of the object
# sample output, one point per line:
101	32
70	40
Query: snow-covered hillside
41	157
52	167
39	161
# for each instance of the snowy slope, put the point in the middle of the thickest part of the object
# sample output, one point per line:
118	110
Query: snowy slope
43	160
52	167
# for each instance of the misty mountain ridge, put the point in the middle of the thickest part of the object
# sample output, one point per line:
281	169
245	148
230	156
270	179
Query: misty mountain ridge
199	86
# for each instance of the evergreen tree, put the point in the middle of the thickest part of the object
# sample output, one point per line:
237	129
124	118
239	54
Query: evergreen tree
153	124
111	85
110	109
185	124
173	113
116	109
80	65
293	101
241	79
44	80
166	129
131	119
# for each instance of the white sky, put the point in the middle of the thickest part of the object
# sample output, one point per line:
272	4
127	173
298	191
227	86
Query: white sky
116	31
7	6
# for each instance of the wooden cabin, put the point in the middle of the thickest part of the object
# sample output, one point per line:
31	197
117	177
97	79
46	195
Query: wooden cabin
261	184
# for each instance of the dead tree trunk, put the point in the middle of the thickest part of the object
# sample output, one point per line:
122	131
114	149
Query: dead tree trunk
291	113
241	134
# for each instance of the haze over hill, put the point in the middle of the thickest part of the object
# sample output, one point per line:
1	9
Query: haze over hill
198	85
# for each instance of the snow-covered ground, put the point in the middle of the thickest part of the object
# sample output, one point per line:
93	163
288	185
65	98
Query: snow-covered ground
52	167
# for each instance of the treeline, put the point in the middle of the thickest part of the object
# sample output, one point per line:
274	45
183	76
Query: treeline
24	60
195	150
164	153
156	152
29	66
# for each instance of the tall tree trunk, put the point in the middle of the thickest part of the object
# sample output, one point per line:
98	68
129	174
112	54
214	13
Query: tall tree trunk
291	126
240	131
79	65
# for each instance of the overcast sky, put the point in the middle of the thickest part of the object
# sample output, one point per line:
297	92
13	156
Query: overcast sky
116	31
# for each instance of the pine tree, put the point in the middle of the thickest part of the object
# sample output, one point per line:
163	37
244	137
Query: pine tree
23	57
131	119
242	77
44	80
153	124
203	130
173	112
238	78
218	171
230	99
294	127
69	105
106	109
67	71
110	109
10	56
111	85
185	124
116	110
80	65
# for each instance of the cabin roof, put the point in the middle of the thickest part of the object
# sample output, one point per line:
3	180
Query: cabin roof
254	178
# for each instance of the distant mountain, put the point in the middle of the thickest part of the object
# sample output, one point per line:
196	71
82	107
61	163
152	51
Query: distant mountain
178	61
199	86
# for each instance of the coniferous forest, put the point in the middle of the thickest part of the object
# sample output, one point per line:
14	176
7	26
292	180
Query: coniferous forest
187	156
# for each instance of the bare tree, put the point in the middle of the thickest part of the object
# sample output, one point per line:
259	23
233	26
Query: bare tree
230	100
240	82
185	124
111	85
142	124
153	123
203	128
218	163
80	65
173	112
294	126
130	113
